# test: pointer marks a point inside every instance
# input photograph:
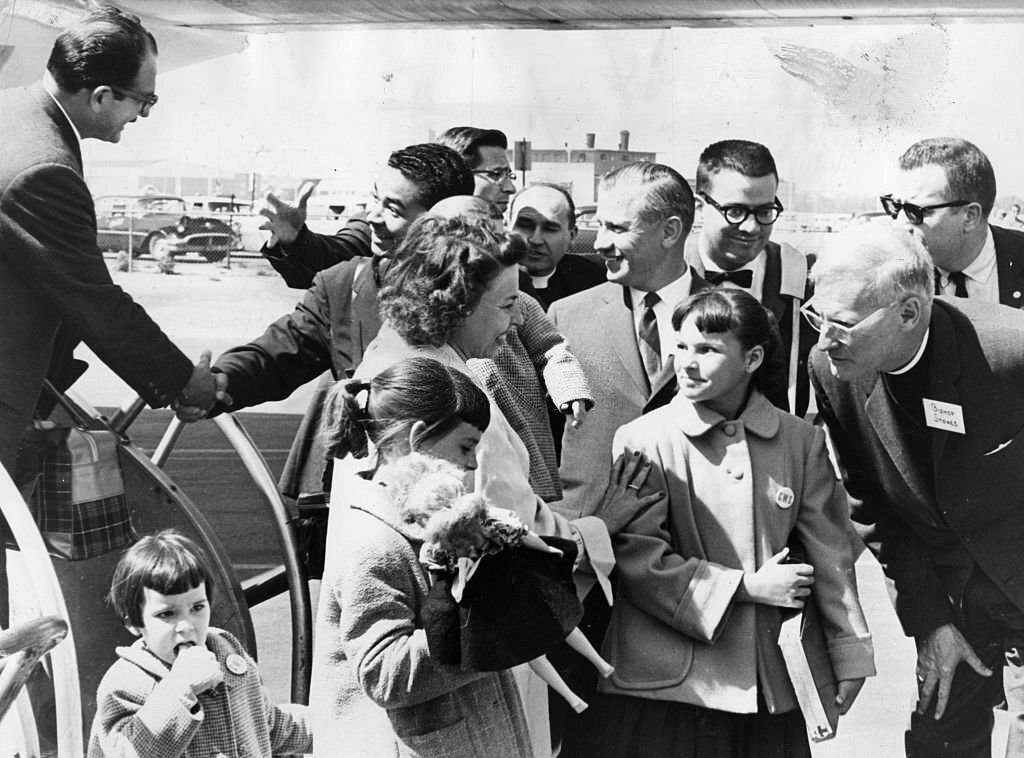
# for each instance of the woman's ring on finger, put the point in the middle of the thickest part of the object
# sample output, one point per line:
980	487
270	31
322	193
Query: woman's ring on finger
633	487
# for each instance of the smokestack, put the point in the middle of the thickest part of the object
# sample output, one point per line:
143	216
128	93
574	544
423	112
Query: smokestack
624	139
590	140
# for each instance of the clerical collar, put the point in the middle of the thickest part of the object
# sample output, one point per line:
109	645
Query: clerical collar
540	282
917	356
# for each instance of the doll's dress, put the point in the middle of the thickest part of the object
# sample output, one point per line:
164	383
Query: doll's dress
519	604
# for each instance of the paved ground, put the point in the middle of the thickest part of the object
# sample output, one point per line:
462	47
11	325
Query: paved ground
208	307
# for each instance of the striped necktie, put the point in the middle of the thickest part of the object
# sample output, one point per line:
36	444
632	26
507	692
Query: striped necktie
650	342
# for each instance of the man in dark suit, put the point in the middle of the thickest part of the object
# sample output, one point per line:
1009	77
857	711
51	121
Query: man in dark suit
946	188
924	402
55	289
736	189
338	315
544	215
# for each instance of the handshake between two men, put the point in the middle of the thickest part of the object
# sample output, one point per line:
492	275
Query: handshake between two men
205	389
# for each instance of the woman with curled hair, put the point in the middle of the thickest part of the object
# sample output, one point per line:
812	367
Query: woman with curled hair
451	297
446	266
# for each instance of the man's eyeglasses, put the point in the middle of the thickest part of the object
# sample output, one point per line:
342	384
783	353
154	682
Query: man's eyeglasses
496	175
737	214
146	101
915	213
834	330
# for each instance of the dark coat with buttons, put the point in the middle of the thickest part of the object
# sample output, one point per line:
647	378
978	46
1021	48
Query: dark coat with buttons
976	479
1009	265
55	289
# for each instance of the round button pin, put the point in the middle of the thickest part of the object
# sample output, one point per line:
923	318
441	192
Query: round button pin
784	497
236	664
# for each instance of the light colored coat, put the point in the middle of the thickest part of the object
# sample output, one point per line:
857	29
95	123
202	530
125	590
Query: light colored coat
532	349
599	328
735	492
376	690
140	713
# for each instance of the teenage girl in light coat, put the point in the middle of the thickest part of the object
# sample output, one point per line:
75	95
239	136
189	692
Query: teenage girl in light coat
703	574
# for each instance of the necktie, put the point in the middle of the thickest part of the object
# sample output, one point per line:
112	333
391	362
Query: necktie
742	278
650	342
959	280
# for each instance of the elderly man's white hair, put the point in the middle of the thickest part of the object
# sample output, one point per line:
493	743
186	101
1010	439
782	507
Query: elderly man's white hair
888	260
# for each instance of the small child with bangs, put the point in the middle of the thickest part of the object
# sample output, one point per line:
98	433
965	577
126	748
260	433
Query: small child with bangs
184	687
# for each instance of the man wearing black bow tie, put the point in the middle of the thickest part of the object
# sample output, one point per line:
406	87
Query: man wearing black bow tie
736	185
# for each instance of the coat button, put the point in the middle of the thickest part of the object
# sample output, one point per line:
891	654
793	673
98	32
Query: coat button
735	473
729	430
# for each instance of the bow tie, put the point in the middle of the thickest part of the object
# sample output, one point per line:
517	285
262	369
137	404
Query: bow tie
742	278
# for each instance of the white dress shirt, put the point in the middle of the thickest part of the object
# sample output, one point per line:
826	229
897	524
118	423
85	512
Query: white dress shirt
981	279
669	296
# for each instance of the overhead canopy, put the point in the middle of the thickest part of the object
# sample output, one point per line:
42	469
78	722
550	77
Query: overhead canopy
268	16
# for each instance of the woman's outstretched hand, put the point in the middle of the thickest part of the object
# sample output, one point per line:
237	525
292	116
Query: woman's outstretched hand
622	500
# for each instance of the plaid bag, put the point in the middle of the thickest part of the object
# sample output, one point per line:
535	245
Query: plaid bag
77	492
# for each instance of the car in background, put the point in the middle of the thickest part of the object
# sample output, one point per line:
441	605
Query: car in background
238	214
160	226
586	232
870	217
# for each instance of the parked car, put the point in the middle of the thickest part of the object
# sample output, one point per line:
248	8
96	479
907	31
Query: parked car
159	225
238	214
586	231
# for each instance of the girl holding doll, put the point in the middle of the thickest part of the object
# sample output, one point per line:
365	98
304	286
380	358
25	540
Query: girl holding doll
377	690
705	574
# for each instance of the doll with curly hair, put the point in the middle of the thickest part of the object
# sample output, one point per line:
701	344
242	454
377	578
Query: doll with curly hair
502	594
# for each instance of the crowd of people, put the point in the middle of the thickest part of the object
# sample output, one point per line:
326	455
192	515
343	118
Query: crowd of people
669	420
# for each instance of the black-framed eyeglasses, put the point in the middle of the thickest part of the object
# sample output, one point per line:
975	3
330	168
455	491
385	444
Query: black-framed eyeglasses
737	214
915	213
496	175
146	101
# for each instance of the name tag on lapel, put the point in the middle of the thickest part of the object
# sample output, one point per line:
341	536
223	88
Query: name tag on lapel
946	416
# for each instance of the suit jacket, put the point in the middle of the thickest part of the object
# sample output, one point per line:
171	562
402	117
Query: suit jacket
736	491
786	288
300	261
598	325
977	364
1009	265
55	289
328	330
573	274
